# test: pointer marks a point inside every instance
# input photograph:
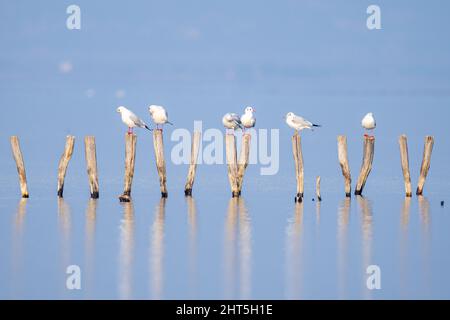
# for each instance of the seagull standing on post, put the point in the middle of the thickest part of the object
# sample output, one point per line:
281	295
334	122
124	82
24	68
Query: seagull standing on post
131	120
231	121
159	116
248	119
369	123
298	123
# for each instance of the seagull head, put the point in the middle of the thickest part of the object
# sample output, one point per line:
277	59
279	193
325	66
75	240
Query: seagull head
120	109
289	115
250	110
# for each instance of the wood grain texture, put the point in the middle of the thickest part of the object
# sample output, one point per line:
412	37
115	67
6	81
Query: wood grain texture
366	167
160	161
195	147
18	158
343	161
426	161
64	163
404	157
130	159
91	163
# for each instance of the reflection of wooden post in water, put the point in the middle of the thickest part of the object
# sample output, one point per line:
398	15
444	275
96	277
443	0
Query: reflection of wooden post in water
243	160
126	250
369	148
65	225
294	245
230	249
343	161
91	215
428	149
404	265
231	153
17	249
245	245
403	142
195	147
91	163
366	212
130	159
157	251
342	242
298	158
160	162
64	163
319	198
192	222
17	154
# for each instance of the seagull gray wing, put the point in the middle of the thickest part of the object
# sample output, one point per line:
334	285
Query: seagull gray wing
137	121
301	122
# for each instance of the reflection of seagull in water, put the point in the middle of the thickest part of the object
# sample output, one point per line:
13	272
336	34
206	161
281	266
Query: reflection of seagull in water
298	123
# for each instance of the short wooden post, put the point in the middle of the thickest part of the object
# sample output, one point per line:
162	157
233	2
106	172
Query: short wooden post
196	138
369	148
64	163
428	149
130	157
91	163
231	153
243	160
160	162
403	142
319	197
343	161
17	154
298	158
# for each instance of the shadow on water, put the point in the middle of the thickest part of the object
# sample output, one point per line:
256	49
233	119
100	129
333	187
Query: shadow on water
64	227
126	251
425	219
192	224
238	245
18	246
91	217
294	250
157	251
365	209
342	246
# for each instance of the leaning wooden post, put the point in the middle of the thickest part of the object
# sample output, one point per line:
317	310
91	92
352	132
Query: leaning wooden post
64	163
428	149
403	142
160	162
298	158
230	149
343	161
195	147
91	163
369	148
17	154
319	197
243	160
130	157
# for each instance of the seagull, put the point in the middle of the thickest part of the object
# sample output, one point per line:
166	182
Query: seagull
231	121
248	119
298	123
131	120
369	123
159	116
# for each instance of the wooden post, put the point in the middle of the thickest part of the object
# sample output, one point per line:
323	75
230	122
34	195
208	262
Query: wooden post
369	148
196	138
319	198
91	163
343	161
403	142
64	163
243	160
298	158
230	144
160	162
130	157
428	149
17	154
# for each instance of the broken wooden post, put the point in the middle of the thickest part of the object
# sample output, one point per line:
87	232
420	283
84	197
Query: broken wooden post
130	157
428	149
160	162
343	161
195	147
369	148
91	163
319	198
64	163
17	154
298	158
403	142
231	154
243	160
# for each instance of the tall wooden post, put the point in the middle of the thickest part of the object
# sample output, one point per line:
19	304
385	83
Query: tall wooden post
343	161
318	195
428	149
231	153
17	154
91	163
369	148
243	160
403	142
298	158
160	162
196	138
64	163
130	159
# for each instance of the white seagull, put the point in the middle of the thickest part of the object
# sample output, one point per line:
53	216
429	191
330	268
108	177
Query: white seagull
231	121
159	115
248	119
131	120
298	123
368	123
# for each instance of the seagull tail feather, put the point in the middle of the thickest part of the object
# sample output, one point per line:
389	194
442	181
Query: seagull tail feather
146	127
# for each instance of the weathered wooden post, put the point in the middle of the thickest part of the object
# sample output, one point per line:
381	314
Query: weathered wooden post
91	163
17	154
298	158
160	162
231	154
319	197
403	142
428	149
130	157
369	148
196	138
343	161
64	163
243	160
